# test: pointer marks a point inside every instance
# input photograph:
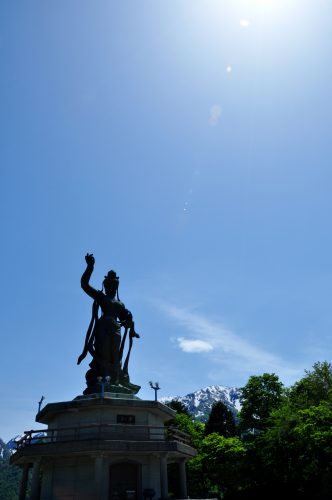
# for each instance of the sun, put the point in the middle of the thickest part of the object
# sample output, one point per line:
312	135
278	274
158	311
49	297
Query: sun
244	9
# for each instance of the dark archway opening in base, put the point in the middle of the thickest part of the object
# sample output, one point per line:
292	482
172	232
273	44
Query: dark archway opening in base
124	481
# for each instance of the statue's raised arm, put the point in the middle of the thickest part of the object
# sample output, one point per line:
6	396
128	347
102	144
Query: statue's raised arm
90	263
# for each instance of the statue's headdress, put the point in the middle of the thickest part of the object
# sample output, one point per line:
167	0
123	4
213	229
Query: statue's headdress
113	281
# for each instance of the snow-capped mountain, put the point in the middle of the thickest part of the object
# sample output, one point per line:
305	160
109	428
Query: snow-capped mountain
4	450
7	449
199	403
11	445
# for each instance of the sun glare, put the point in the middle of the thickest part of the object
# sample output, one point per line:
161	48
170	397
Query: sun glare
245	9
263	16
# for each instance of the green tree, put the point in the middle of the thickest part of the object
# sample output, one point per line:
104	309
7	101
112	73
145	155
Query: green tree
314	429
314	387
221	420
9	480
294	454
184	423
221	461
195	476
178	407
259	397
290	457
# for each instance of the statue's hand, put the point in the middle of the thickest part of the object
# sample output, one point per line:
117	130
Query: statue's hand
89	259
132	332
128	322
81	357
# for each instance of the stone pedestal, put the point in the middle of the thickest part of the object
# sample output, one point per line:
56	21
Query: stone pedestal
107	448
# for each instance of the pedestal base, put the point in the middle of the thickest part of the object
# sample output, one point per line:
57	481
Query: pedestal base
103	448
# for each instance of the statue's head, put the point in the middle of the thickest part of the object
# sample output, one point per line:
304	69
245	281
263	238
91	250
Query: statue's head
111	283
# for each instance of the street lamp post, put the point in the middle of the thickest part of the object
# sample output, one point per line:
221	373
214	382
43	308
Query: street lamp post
40	403
156	388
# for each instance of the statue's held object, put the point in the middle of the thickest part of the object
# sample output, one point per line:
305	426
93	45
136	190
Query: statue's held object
103	339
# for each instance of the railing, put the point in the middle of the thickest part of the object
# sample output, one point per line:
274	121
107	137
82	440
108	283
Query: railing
174	434
104	432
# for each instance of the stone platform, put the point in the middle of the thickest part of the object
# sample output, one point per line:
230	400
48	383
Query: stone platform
112	447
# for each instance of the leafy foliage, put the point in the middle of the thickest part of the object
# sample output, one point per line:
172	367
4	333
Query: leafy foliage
220	420
290	456
221	457
316	386
216	466
185	423
294	454
9	476
259	397
178	407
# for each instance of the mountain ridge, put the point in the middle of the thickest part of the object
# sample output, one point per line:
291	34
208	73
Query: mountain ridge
199	402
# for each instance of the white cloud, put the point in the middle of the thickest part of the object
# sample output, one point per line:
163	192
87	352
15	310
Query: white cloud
227	350
215	113
194	345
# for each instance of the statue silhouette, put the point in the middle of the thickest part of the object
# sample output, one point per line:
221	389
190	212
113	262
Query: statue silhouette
103	339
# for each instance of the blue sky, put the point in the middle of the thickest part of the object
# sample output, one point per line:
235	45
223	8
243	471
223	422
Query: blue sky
187	144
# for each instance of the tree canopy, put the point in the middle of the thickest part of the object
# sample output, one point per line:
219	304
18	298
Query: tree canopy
259	397
289	456
221	420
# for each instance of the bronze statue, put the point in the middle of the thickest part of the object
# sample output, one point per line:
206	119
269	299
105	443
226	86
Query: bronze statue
103	338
